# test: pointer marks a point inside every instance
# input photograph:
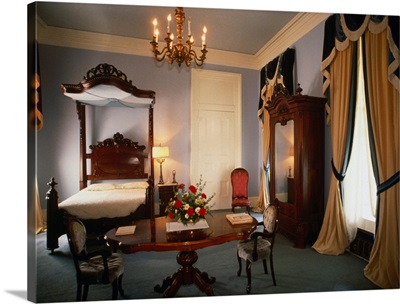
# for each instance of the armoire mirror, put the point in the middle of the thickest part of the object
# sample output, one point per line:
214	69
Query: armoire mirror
284	160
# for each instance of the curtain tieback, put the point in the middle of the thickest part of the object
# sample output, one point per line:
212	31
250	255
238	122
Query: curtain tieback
266	168
388	183
338	176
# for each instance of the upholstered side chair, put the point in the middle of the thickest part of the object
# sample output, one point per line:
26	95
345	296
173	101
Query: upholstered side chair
259	247
100	266
240	181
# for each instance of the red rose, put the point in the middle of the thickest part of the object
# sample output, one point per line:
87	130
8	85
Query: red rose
171	215
203	195
193	189
180	186
178	204
202	211
190	212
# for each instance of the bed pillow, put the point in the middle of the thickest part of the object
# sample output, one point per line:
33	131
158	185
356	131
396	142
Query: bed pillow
134	185
100	187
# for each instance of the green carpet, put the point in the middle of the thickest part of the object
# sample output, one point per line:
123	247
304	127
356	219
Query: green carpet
296	270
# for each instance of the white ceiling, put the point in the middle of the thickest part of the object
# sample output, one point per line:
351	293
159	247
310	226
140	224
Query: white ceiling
229	30
244	34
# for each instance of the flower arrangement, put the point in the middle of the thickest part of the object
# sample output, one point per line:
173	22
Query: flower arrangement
189	206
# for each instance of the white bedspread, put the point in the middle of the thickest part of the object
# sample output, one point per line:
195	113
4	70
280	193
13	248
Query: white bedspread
106	203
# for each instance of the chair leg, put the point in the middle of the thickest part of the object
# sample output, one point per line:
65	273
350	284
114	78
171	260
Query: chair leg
85	292
79	293
272	269
265	266
248	271
114	285
121	291
240	264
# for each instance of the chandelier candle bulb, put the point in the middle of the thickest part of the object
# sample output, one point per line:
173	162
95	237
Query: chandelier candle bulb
203	38
169	20
189	32
155	26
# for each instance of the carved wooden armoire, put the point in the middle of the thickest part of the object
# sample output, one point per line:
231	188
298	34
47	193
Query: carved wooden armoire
297	163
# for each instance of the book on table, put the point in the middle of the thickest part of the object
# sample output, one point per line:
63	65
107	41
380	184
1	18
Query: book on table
125	230
239	218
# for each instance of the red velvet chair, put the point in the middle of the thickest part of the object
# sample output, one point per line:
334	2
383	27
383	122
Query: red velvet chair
240	181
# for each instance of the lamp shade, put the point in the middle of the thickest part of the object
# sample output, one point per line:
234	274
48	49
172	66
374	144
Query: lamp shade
160	152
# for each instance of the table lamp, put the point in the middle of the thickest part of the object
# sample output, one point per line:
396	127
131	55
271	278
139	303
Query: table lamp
159	154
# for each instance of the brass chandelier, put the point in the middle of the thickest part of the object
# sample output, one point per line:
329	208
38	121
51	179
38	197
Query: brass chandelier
178	51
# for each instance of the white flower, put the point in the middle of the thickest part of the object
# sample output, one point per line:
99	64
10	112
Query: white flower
197	210
186	206
199	201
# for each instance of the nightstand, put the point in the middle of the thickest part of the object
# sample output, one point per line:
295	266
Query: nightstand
165	193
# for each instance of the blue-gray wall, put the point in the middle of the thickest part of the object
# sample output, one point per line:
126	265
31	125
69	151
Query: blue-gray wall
58	141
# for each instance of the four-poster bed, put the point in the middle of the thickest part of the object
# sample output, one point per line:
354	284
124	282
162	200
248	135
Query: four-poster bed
119	188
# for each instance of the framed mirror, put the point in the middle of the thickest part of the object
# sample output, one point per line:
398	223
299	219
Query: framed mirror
284	160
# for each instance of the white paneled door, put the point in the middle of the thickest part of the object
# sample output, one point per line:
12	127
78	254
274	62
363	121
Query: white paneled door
215	131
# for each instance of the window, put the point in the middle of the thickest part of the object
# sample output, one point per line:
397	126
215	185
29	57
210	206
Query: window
359	187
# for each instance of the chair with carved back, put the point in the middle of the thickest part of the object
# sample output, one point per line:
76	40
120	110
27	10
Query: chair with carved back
97	266
259	247
240	181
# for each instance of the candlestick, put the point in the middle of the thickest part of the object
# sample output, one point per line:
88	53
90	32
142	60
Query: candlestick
173	176
169	20
203	38
154	26
156	33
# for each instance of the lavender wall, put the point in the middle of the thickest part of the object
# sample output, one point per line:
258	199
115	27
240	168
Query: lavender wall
58	141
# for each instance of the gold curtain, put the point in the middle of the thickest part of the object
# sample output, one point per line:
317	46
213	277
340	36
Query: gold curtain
383	266
383	95
263	199
332	238
263	116
40	222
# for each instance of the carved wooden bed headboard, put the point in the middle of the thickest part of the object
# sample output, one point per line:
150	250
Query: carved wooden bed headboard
117	158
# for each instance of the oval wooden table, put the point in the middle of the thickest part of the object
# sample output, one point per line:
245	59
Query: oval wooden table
152	235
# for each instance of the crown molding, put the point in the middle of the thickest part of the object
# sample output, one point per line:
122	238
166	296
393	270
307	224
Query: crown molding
293	31
299	26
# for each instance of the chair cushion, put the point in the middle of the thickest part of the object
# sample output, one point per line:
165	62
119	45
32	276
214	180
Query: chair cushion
245	249
240	202
92	270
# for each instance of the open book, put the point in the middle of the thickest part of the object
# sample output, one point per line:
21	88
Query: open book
125	230
239	218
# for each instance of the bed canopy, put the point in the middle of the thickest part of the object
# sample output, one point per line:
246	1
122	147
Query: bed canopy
105	85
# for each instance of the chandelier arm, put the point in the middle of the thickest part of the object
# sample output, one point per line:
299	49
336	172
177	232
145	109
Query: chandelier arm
160	56
198	60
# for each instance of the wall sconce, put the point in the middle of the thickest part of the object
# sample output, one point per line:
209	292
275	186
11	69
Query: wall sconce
159	154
